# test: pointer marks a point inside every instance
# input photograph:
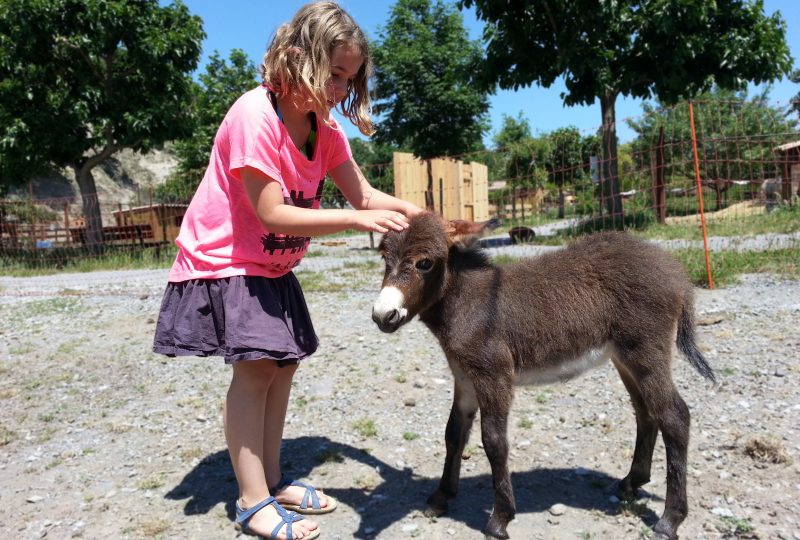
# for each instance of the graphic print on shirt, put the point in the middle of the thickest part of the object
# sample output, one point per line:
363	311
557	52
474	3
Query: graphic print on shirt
293	244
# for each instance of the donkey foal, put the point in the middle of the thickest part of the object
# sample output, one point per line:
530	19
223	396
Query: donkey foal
547	319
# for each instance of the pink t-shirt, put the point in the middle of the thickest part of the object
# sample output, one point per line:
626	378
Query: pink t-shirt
221	235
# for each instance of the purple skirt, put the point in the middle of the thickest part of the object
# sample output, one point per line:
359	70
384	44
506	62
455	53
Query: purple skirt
238	318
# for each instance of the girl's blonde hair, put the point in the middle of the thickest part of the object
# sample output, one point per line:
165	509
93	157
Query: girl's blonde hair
298	59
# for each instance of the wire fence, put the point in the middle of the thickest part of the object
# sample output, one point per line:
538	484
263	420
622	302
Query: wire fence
703	176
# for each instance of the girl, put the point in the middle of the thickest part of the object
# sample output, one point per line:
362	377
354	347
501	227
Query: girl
231	291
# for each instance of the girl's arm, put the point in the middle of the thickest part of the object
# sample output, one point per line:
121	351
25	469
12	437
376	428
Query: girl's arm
266	197
357	190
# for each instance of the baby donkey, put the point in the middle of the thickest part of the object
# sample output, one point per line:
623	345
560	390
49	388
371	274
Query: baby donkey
607	297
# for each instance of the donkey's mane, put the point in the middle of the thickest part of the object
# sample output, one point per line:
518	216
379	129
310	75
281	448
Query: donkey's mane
471	257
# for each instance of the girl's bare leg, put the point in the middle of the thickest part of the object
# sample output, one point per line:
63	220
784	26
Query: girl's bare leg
244	419
274	418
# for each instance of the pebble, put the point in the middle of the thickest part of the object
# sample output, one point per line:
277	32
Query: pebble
557	509
722	512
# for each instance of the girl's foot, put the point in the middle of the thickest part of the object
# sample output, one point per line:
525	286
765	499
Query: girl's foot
265	520
291	495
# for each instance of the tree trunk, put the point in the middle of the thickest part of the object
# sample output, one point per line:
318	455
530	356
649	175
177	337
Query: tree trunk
91	208
609	177
91	203
561	202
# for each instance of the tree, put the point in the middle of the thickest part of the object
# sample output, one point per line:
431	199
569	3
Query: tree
795	104
736	136
219	87
82	79
639	48
423	81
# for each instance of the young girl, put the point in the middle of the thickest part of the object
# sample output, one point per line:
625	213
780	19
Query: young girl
231	290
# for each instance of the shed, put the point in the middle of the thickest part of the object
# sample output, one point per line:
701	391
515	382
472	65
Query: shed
789	161
455	190
165	219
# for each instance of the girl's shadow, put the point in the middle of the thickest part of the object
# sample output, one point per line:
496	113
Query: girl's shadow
400	492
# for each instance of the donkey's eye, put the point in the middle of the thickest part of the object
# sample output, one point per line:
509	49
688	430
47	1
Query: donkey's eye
423	265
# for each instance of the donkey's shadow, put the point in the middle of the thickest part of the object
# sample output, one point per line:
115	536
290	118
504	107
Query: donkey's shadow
400	491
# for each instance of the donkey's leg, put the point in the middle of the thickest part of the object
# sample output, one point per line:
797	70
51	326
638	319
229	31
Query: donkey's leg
651	369
646	434
465	405
673	421
495	404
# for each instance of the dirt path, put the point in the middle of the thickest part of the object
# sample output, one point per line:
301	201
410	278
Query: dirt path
100	438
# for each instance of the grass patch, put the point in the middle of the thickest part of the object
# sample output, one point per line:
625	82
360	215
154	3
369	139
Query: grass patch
154	482
410	436
727	266
149	529
525	423
329	456
190	454
766	450
319	282
739	527
42	262
6	435
366	428
632	508
368	482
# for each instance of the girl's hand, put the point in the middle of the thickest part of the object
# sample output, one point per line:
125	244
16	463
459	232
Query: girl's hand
379	221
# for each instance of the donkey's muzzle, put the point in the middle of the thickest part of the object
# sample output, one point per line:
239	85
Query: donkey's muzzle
388	321
388	311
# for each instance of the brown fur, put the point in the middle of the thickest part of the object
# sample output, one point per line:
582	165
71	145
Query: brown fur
494	323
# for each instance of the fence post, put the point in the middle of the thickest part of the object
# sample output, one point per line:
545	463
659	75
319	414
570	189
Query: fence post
659	181
700	195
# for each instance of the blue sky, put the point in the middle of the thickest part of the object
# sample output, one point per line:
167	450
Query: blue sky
249	25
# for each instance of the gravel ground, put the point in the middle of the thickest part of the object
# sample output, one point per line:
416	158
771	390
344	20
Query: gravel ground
99	437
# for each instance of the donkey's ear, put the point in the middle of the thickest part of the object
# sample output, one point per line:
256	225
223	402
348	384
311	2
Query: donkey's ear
463	233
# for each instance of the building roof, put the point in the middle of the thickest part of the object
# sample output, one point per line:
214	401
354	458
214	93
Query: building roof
155	206
787	146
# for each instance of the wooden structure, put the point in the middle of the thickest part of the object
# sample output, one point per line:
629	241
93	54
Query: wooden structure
789	160
453	189
164	220
141	234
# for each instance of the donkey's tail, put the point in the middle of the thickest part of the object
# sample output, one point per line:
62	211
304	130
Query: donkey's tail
687	345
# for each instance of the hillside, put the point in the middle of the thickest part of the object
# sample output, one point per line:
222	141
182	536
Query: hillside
124	179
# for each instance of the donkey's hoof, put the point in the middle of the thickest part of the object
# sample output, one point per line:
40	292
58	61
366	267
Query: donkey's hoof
437	505
496	532
626	491
432	512
496	527
663	531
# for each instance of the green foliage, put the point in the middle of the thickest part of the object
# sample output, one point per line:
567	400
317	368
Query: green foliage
424	81
375	161
513	131
722	119
219	87
639	48
795	104
26	212
83	76
636	48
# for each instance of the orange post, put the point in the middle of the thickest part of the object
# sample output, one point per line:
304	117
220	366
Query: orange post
700	195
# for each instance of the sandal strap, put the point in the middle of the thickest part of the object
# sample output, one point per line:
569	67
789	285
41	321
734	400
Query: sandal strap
311	492
244	516
287	518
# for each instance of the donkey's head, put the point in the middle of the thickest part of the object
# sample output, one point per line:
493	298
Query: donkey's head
417	267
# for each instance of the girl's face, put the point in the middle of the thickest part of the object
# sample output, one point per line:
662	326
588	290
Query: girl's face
346	61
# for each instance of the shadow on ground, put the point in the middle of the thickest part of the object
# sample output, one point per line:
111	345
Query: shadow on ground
401	491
